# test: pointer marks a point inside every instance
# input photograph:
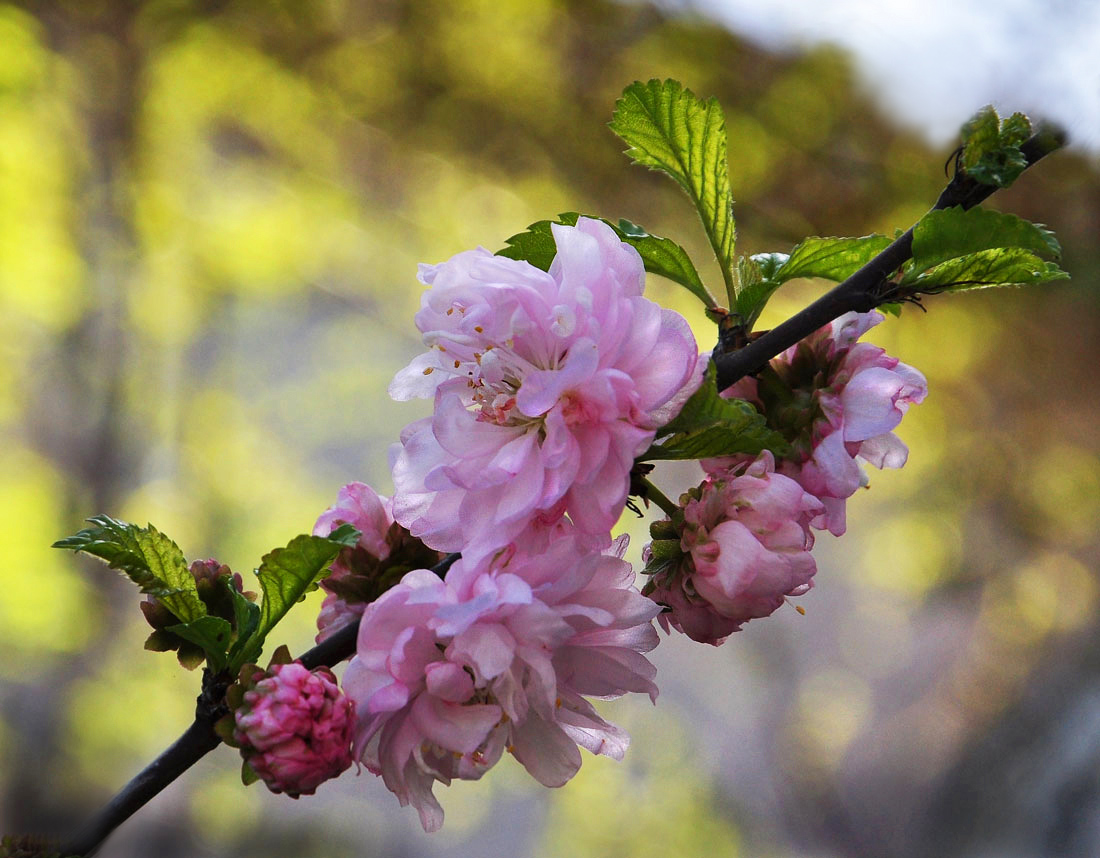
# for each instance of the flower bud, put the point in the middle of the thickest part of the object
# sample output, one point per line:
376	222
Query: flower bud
293	726
213	581
744	547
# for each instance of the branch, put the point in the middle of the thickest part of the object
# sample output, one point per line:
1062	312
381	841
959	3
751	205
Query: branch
863	291
196	742
199	739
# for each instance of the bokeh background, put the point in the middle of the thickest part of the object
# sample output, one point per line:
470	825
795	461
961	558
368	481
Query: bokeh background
210	219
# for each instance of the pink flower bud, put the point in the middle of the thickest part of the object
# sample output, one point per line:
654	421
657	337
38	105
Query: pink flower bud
746	546
295	728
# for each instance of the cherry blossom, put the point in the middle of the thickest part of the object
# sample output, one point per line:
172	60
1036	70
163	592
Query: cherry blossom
837	401
450	674
547	385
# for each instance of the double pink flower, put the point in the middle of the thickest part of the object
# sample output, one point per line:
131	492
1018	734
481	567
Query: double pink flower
450	674
547	385
746	548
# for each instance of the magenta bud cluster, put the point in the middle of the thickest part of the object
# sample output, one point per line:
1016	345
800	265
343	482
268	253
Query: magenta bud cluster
295	727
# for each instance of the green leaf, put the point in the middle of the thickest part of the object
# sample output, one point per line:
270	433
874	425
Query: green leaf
756	276
148	557
212	634
286	575
947	233
831	258
709	426
991	147
661	256
246	618
346	536
999	266
668	129
248	774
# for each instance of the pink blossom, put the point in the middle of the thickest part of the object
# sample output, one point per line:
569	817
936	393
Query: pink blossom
362	507
450	674
837	401
360	574
547	385
295	728
746	546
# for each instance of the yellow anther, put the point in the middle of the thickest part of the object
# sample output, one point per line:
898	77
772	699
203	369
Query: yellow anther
428	371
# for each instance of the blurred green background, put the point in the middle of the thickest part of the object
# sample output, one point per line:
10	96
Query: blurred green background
210	219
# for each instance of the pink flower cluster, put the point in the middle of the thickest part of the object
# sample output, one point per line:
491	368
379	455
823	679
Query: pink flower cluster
546	385
744	534
497	657
837	401
746	546
295	728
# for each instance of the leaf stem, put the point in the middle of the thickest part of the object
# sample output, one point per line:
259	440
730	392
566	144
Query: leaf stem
659	498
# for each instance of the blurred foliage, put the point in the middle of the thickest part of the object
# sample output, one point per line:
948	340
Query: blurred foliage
212	214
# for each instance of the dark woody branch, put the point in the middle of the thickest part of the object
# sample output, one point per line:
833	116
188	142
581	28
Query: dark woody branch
868	287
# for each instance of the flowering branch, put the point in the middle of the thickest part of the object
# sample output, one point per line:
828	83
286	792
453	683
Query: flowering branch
870	286
555	382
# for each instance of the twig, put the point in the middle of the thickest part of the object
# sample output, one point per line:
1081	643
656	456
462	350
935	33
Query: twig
199	739
863	291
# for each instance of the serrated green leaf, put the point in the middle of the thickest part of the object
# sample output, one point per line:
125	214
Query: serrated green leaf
286	575
669	129
709	426
1001	266
145	555
948	233
991	147
212	634
831	258
661	256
